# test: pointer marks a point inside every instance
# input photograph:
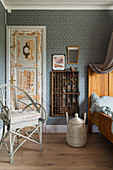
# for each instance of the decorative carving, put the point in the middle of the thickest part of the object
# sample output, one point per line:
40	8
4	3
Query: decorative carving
26	50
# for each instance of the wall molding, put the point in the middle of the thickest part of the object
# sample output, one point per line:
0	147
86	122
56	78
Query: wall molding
58	129
54	5
63	128
2	1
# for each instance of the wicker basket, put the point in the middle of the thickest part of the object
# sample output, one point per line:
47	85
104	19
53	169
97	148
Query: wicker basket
76	131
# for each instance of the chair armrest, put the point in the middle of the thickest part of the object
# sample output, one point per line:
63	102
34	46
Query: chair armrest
41	120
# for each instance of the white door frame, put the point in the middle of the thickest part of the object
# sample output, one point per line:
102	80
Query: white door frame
33	28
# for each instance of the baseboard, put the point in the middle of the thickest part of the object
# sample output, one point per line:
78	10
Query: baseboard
63	128
58	129
94	128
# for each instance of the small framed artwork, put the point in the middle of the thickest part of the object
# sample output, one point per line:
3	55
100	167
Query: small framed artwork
73	54
58	61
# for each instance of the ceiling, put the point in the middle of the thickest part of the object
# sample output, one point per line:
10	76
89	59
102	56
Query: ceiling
56	4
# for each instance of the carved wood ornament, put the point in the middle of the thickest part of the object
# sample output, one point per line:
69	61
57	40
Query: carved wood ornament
26	50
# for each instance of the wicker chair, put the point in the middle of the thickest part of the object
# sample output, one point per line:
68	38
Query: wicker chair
22	117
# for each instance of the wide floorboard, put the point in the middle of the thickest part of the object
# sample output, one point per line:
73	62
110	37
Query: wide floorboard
57	155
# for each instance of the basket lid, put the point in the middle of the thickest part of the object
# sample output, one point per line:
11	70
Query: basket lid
76	120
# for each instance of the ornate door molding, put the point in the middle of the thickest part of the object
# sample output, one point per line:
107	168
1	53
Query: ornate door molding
26	57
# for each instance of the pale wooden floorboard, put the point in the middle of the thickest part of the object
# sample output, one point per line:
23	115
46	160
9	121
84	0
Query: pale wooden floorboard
57	155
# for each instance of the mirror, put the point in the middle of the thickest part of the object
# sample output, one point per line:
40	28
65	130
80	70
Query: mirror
73	54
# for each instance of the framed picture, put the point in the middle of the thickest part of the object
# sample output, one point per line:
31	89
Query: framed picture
73	54
58	61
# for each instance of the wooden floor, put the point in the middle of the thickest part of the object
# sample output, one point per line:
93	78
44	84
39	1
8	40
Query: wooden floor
57	155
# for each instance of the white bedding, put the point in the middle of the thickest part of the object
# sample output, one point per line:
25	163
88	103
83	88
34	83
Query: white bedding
102	104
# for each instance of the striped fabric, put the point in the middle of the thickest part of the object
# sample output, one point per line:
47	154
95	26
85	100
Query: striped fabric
20	119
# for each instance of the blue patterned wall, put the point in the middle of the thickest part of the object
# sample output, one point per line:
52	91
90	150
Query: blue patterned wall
88	29
2	44
2	47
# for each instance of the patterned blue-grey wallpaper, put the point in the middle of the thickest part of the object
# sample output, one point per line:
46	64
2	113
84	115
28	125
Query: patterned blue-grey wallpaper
88	29
2	47
2	44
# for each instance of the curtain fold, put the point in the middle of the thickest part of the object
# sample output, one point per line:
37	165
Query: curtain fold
107	66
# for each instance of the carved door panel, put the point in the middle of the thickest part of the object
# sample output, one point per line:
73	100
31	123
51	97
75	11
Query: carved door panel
26	62
26	79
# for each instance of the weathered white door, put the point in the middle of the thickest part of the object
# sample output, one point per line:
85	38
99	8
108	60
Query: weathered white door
26	60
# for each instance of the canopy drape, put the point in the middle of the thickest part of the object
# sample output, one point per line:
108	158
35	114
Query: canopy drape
107	66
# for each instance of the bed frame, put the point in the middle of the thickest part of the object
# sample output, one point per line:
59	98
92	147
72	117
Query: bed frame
102	85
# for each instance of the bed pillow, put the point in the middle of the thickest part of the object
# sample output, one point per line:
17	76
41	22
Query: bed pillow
104	104
107	97
94	98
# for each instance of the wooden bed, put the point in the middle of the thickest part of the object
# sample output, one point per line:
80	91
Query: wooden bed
102	85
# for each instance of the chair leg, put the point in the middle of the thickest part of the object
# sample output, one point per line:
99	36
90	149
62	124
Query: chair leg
11	148
3	134
40	138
